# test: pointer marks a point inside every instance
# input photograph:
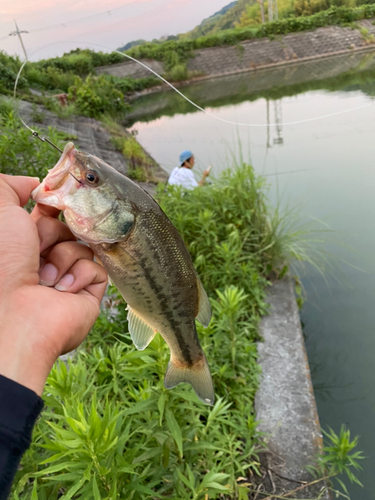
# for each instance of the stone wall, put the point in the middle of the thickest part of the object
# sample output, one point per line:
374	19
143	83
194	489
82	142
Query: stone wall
132	69
243	86
263	52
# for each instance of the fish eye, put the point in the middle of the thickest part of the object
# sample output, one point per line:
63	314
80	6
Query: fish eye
92	177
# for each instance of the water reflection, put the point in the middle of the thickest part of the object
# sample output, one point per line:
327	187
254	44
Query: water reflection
347	72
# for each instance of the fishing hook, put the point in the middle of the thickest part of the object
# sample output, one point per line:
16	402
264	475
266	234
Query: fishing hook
44	139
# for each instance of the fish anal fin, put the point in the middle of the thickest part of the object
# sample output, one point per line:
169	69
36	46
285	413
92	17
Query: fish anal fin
204	306
198	376
140	331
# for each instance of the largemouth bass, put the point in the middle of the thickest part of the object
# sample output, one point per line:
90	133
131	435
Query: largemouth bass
144	256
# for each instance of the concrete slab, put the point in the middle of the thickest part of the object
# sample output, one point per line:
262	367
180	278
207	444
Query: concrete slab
285	402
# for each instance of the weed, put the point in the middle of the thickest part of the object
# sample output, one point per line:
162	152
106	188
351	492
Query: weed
37	115
338	459
140	165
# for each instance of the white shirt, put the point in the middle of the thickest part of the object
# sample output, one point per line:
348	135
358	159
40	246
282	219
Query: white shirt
182	176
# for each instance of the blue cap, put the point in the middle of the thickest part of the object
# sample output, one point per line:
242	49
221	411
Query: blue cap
185	155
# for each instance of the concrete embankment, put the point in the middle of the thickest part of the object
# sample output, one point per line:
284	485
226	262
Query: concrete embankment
263	52
90	136
285	402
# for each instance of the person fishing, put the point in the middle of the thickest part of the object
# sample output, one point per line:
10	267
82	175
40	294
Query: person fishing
182	175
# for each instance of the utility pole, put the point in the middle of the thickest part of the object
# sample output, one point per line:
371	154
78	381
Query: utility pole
268	125
278	120
18	32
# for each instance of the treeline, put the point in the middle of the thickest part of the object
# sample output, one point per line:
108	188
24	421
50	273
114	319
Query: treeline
251	15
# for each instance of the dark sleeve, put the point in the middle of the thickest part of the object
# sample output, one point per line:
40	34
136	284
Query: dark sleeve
19	409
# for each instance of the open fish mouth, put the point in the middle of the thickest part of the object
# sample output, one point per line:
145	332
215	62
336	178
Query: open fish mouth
60	181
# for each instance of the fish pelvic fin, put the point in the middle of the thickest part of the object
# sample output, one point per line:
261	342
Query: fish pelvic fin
140	331
197	375
204	306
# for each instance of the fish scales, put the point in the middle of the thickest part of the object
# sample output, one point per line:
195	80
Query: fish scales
178	303
144	256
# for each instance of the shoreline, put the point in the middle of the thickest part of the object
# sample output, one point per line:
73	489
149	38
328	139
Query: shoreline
256	55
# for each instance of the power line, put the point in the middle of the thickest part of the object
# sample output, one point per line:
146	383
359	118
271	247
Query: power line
75	21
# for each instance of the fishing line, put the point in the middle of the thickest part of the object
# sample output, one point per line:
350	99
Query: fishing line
229	122
33	132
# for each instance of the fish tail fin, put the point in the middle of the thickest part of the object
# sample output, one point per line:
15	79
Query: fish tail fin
198	376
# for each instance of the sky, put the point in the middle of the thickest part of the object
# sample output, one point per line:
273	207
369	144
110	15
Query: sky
58	26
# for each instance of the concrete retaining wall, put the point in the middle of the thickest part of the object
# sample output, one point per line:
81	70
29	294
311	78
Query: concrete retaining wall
285	402
263	52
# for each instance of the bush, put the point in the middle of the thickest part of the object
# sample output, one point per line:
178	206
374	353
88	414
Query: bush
49	78
9	67
81	62
96	95
178	73
20	152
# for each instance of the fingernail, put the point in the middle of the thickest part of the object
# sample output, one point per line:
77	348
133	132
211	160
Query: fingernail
48	275
65	283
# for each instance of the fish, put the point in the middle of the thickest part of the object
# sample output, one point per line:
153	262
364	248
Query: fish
144	255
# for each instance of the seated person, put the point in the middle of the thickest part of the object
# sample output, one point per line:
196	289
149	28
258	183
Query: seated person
183	176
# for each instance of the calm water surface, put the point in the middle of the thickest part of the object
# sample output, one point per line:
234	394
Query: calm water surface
327	166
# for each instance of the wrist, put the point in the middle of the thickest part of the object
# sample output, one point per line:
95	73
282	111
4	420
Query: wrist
20	358
24	366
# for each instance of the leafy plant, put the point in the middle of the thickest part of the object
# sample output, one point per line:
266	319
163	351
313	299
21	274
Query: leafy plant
338	459
37	115
140	165
20	153
95	96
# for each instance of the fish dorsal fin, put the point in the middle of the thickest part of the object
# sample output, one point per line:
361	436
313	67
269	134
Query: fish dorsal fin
204	307
140	331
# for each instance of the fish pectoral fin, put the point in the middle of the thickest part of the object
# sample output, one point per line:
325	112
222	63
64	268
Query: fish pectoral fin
140	331
96	258
198	376
204	306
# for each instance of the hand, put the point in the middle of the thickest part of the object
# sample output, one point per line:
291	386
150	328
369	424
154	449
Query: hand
50	288
206	173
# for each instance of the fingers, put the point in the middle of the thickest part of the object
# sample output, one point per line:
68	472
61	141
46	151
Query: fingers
69	267
16	190
60	259
84	277
44	210
52	231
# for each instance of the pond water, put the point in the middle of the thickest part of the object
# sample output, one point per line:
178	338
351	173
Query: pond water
326	166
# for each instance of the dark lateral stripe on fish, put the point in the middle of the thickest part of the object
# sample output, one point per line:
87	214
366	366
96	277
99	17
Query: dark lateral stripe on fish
167	313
